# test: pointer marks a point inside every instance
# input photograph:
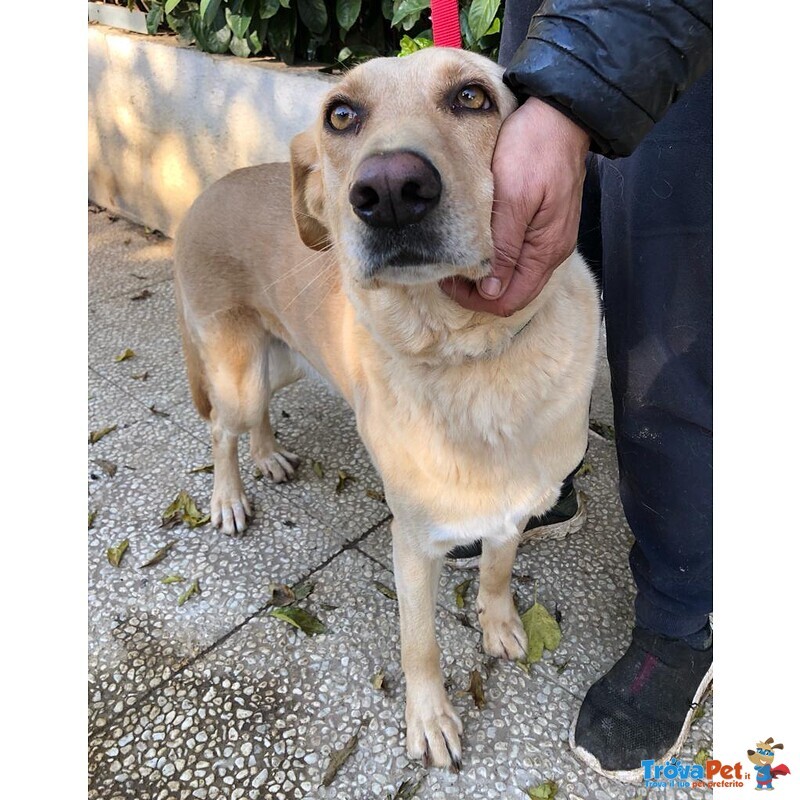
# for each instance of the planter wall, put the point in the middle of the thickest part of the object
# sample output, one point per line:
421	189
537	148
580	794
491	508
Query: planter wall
165	121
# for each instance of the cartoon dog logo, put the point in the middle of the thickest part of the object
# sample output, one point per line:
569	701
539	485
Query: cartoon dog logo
762	757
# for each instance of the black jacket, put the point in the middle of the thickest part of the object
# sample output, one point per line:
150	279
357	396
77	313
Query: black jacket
613	67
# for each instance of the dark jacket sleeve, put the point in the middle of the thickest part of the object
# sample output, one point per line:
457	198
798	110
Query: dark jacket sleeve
613	67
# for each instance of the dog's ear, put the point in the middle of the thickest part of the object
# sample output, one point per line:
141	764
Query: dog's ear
307	191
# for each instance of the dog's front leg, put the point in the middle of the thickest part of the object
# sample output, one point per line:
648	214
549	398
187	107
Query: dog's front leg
503	634
432	726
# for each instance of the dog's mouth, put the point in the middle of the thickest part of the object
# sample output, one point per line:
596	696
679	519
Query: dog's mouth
412	255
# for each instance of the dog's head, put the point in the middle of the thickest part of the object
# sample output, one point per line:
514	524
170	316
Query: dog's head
764	753
397	168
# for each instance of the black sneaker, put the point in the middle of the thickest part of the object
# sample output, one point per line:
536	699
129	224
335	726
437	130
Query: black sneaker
565	517
642	708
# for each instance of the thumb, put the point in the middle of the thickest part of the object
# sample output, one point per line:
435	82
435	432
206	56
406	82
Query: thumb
508	236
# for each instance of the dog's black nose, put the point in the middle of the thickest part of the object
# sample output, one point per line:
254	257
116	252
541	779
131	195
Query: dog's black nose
395	189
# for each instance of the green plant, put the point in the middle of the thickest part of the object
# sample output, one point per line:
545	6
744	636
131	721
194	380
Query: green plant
339	32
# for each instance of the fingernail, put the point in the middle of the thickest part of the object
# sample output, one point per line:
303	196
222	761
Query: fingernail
491	286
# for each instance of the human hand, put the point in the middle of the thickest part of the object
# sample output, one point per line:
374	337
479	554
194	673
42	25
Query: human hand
539	167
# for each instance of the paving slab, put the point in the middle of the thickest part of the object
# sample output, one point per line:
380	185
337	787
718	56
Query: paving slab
215	698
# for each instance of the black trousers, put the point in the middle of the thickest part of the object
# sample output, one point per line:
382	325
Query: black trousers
646	228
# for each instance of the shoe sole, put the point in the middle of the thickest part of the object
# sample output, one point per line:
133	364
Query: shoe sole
637	775
545	533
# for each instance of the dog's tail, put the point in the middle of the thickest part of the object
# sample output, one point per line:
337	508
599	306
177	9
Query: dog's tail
194	366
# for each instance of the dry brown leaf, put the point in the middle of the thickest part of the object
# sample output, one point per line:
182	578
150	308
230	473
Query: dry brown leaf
125	355
109	467
476	688
145	294
183	509
96	436
385	590
338	757
159	555
157	411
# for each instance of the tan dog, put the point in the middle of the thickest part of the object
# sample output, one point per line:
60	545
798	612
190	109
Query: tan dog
472	420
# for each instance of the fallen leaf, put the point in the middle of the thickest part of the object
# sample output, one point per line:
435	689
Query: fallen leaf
127	241
342	479
109	467
172	579
476	688
460	592
145	294
125	355
328	606
204	468
543	791
318	470
183	509
141	376
702	756
405	791
542	630
96	436
138	277
338	757
282	594
157	411
115	553
699	712
194	588
301	619
92	516
379	681
375	495
159	555
385	590
585	469
303	590
561	667
602	429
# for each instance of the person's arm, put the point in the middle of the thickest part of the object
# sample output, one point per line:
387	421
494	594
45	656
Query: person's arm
595	76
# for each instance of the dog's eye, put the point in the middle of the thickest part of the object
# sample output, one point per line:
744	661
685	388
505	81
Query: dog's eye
341	117
474	97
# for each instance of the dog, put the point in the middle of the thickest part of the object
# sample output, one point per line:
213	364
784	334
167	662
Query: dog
332	264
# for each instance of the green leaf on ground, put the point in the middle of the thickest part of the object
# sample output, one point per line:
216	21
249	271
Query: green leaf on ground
183	509
109	467
125	355
602	429
338	757
585	469
378	681
303	590
543	791
194	588
702	756
96	436
542	630
460	592
204	468
385	590
318	470
406	790
300	618
476	688
159	555
172	579
341	480
115	553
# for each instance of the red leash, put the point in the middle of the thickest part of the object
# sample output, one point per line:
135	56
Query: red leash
446	27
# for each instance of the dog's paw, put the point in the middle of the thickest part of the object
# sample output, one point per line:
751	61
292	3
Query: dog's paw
279	466
229	511
433	731
503	634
